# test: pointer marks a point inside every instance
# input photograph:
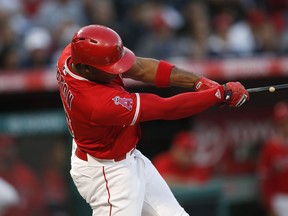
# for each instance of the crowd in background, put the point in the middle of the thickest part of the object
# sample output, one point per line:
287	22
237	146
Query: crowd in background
33	32
39	179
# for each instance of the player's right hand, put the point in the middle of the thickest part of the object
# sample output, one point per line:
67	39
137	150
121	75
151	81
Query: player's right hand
235	94
203	84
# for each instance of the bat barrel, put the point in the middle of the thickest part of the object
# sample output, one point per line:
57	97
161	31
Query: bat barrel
266	88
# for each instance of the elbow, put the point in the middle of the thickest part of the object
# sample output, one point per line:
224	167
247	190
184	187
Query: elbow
137	71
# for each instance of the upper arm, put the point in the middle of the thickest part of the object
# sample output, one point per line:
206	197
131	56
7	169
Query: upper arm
118	108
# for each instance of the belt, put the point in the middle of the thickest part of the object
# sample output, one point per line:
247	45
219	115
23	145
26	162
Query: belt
83	155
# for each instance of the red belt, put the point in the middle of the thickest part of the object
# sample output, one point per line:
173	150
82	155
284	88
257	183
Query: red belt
83	155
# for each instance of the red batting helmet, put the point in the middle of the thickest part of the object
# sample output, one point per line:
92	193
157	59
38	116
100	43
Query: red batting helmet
101	47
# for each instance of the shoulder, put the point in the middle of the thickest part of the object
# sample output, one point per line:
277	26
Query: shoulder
66	53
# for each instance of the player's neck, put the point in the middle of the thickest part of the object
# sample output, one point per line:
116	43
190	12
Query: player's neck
94	75
75	70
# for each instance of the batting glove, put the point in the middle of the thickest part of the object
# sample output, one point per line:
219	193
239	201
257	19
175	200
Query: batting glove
235	94
203	84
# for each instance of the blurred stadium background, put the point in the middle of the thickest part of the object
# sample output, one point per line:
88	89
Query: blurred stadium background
244	40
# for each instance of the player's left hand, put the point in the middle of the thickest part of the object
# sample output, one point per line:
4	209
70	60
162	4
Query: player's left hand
235	94
203	84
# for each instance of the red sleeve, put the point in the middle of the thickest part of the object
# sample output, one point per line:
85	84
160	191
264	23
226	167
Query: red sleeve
116	109
182	105
123	108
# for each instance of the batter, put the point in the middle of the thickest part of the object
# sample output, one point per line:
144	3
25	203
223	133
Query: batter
103	119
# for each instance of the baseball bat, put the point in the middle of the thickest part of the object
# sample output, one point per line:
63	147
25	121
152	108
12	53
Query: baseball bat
272	88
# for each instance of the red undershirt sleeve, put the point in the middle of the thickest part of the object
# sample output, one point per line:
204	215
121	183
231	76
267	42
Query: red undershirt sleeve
154	107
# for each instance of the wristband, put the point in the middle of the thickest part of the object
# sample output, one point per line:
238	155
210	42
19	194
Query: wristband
162	78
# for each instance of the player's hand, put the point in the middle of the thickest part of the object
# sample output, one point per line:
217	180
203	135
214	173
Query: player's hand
235	94
203	84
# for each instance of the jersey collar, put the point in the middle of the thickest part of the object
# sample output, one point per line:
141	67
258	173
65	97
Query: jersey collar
68	69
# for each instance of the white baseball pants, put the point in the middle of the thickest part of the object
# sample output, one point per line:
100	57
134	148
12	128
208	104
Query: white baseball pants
131	187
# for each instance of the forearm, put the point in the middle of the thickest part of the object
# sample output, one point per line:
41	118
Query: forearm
182	78
145	70
182	105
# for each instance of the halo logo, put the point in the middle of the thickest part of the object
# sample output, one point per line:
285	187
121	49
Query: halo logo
125	102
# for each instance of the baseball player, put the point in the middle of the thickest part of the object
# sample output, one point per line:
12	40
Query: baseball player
103	119
273	164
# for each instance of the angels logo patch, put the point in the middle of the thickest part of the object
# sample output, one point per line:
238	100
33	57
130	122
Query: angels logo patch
125	102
